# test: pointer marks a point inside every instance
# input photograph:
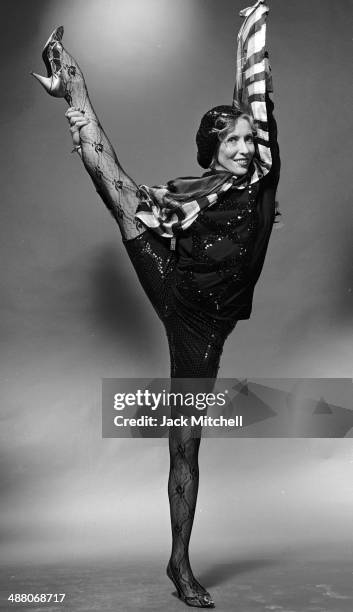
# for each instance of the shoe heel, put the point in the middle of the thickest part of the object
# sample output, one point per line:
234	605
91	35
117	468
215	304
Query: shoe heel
171	577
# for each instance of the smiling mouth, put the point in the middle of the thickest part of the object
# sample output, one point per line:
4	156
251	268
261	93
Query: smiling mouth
241	162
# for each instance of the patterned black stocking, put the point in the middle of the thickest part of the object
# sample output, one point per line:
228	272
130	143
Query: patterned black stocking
182	491
117	190
194	355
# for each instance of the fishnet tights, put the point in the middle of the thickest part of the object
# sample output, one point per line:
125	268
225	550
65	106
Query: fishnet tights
195	341
117	190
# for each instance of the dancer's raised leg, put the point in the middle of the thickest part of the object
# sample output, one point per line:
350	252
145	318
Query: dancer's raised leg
149	253
118	191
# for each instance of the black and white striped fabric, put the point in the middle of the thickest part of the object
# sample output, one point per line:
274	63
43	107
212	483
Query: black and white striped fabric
253	75
159	209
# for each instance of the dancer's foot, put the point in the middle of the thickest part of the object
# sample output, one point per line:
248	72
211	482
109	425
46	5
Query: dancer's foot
189	590
64	73
184	570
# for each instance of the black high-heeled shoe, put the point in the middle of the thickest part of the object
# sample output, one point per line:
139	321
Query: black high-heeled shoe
199	600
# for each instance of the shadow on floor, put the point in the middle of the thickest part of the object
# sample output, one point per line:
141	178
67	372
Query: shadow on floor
222	572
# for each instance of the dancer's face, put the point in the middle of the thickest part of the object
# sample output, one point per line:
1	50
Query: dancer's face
237	149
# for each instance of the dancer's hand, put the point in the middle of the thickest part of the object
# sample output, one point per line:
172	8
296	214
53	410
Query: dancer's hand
77	121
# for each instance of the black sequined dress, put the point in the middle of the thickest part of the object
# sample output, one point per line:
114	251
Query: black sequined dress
214	255
206	285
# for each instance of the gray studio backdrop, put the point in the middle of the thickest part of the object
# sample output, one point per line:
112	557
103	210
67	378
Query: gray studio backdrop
72	311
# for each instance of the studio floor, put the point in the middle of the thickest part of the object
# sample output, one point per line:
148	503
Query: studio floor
278	583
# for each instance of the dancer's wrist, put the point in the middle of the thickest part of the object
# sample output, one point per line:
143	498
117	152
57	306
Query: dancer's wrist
78	97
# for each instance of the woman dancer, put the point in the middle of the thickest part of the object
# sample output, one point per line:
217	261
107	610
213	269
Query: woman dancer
197	245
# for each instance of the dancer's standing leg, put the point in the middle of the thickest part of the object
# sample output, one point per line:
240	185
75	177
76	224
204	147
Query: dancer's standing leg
195	350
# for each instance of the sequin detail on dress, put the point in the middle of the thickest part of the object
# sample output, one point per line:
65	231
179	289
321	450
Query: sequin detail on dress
215	253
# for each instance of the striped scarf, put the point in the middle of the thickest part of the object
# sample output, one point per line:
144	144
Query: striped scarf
169	209
253	75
